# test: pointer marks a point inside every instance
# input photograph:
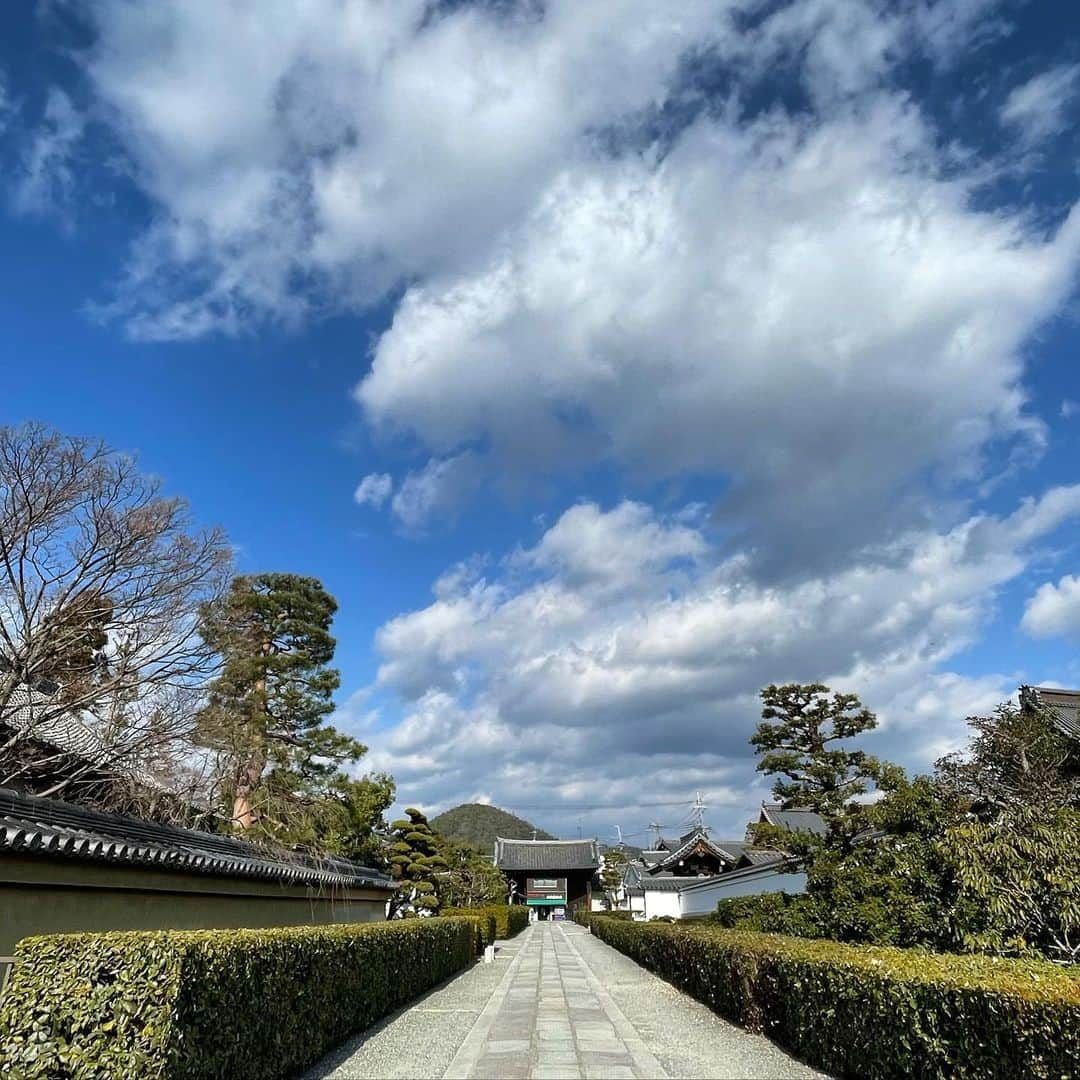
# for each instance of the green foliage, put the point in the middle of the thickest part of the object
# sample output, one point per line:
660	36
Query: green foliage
478	824
508	919
771	913
213	1003
878	877
471	879
1017	759
265	711
982	857
872	1012
585	918
417	864
614	867
803	746
348	820
1018	883
487	926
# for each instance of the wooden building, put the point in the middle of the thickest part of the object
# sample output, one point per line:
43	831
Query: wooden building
553	876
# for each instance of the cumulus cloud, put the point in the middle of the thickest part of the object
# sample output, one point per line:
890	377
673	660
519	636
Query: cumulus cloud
711	240
804	311
374	489
594	207
1054	610
515	683
1044	106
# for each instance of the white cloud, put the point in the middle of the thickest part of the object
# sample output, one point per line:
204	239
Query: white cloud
1054	610
513	683
1069	409
440	488
1044	106
808	303
46	177
374	489
315	156
810	311
612	255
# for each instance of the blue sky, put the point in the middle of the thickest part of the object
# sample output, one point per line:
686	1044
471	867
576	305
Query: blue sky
604	362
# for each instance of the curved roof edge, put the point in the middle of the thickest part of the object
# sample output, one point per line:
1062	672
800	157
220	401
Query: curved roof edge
47	828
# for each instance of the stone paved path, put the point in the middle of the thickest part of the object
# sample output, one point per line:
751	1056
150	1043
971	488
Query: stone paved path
558	1003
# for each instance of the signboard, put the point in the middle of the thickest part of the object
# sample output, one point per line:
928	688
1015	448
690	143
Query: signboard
545	891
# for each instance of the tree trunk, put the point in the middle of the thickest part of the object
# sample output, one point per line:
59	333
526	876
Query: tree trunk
243	816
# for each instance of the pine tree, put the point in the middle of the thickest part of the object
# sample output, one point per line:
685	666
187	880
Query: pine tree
805	746
266	708
614	867
471	879
415	862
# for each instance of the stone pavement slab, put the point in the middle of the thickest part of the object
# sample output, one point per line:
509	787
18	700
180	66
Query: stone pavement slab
559	1003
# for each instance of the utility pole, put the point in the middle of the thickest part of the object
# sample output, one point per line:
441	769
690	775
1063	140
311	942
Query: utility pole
655	826
697	813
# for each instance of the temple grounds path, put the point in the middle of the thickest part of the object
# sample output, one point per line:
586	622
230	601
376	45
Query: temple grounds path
557	1003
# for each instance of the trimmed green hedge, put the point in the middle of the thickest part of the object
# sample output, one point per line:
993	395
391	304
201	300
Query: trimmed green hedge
510	919
867	1011
486	924
584	918
213	1003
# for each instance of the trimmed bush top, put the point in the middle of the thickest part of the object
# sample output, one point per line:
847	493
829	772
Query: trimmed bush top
872	1011
213	1003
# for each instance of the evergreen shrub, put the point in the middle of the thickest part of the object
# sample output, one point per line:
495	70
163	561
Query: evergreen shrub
872	1011
510	919
770	913
487	926
213	1003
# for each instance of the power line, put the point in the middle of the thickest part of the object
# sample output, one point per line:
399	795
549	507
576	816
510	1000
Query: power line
584	807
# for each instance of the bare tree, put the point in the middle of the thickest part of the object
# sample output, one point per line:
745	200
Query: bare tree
101	579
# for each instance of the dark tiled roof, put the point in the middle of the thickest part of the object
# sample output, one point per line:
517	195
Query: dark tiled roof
797	819
673	882
745	873
45	828
1063	706
34	715
690	841
37	718
547	854
761	857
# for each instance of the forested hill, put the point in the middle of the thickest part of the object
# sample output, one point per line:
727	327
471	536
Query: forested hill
479	824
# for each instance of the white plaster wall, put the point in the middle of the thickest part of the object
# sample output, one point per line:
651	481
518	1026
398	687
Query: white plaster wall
703	901
661	903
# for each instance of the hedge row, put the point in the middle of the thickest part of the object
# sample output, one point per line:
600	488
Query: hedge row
510	919
865	1011
487	926
584	918
213	1003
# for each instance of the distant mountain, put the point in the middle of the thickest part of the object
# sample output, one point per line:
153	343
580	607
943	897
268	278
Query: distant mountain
478	824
